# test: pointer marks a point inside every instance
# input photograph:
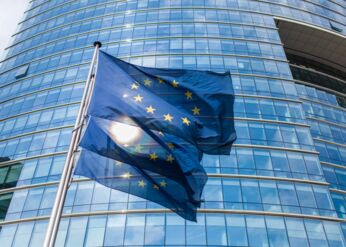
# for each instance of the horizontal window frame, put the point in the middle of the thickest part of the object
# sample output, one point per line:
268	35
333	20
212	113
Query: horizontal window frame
167	211
41	109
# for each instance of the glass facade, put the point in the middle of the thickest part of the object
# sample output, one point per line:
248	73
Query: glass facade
284	183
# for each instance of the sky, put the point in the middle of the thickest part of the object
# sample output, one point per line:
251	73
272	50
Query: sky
11	13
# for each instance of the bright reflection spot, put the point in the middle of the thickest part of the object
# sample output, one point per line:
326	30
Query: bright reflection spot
124	133
125	95
126	175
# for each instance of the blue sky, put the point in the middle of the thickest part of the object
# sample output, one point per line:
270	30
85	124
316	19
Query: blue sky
11	12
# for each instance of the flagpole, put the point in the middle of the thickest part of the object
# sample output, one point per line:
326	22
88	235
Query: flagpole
66	175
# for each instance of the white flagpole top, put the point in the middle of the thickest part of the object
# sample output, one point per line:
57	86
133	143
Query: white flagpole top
98	44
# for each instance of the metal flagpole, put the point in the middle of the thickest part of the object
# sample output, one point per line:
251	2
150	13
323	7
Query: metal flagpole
66	175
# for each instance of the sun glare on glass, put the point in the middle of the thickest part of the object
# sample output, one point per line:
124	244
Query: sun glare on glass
125	133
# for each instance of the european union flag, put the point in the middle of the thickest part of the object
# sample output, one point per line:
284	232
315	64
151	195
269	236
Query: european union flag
171	169
156	124
194	105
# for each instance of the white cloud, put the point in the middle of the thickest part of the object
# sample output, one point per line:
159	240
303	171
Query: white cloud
11	13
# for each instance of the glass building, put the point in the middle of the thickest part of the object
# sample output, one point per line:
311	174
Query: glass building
284	183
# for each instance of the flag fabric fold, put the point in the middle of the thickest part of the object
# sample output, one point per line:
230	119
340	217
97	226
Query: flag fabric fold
148	128
175	159
138	182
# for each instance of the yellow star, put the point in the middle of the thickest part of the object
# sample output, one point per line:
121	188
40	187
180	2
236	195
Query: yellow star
168	117
170	158
170	145
188	95
126	175
175	83
163	183
138	98
161	133
134	86
141	183
156	187
153	156
185	121
150	109
147	82
160	80
138	148
196	110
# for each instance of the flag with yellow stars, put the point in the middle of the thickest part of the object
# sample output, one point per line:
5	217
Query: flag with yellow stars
157	123
196	106
154	161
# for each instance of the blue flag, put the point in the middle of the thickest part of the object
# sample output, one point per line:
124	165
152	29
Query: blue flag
174	161
194	105
156	124
161	153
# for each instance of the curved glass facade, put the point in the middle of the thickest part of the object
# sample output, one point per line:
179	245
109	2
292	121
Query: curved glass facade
284	183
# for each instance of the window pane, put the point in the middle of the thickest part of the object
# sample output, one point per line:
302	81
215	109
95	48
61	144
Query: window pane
216	232
236	230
